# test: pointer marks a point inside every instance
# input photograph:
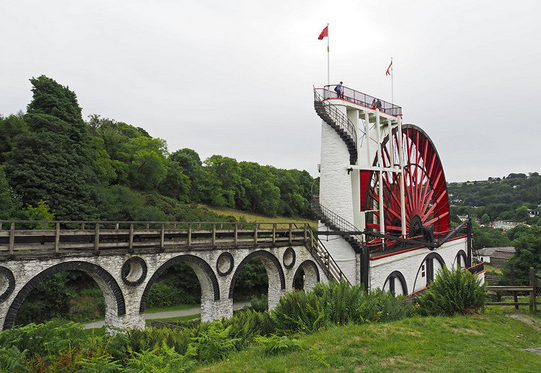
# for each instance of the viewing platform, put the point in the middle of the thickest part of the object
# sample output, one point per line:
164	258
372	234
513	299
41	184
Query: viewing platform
358	98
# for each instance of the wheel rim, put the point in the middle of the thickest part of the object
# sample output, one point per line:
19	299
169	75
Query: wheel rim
425	198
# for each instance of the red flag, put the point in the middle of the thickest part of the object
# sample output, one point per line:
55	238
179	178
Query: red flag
324	33
389	68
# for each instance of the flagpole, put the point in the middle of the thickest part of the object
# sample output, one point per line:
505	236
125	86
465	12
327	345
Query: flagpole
392	83
328	58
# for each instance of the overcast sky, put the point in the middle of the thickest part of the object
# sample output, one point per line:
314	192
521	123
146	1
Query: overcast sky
236	78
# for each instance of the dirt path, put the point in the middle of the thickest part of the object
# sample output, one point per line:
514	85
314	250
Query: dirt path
167	314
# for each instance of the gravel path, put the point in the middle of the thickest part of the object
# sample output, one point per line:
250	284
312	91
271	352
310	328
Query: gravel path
167	314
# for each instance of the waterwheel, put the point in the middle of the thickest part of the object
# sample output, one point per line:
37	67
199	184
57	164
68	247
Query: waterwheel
426	204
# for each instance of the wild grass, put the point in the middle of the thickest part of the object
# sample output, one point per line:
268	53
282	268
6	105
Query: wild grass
491	342
335	328
244	216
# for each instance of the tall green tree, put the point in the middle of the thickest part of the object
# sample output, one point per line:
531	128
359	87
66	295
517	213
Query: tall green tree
52	162
10	127
295	188
224	181
10	204
192	167
147	165
175	184
527	243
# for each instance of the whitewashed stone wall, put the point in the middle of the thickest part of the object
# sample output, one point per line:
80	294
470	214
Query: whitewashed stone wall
126	279
336	194
410	265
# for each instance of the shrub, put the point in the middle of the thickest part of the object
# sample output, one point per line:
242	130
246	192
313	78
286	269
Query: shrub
247	325
298	312
274	345
260	304
453	292
160	359
12	360
46	340
212	344
335	303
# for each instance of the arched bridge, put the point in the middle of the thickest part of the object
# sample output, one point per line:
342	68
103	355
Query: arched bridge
126	258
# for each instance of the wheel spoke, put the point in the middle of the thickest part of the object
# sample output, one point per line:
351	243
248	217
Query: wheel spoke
425	192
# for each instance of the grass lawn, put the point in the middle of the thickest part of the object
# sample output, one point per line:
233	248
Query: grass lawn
490	342
256	218
172	308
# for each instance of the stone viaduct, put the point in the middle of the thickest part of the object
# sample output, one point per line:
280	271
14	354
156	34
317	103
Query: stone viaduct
125	259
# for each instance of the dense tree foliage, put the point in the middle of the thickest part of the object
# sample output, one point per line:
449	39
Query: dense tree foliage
51	160
109	170
507	199
11	206
516	198
527	243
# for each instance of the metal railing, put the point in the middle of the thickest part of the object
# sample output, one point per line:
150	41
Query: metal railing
325	260
339	121
336	222
384	244
359	98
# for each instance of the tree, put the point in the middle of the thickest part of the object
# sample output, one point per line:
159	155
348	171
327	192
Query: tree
261	195
192	167
11	205
527	243
223	184
521	213
119	202
489	237
10	127
176	184
296	191
147	163
51	161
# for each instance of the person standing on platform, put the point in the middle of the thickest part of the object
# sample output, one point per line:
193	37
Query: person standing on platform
339	91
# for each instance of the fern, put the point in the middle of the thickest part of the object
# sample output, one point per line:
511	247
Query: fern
274	345
453	292
12	360
212	344
161	359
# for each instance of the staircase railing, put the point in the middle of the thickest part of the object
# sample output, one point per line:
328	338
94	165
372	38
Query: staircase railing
340	122
336	222
325	260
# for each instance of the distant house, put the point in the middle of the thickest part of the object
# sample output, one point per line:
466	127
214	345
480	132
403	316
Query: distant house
505	225
495	256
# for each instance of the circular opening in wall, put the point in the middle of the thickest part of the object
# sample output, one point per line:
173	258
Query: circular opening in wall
225	264
134	271
7	283
289	258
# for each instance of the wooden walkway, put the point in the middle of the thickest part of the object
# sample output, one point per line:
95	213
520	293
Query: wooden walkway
24	237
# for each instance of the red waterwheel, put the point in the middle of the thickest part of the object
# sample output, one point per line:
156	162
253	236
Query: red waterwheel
425	191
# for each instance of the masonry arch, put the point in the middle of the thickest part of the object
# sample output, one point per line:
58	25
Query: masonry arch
306	275
396	283
427	270
461	259
275	273
114	299
210	290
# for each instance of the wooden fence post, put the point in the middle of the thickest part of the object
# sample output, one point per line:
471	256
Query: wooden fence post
532	293
515	294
